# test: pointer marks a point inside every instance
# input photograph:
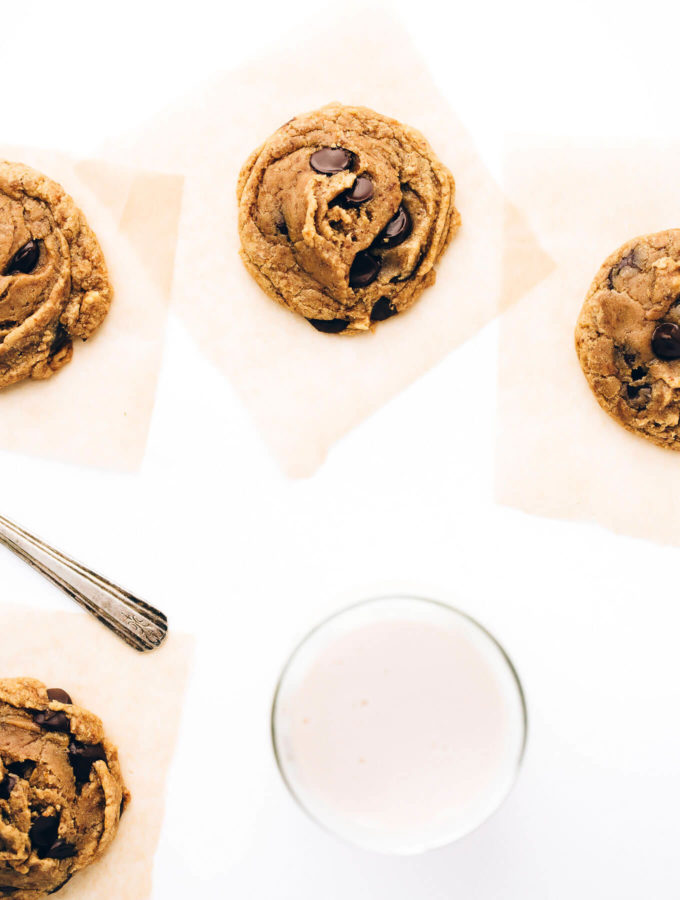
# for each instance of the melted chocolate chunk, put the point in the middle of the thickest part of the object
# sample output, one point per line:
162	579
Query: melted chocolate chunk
52	721
360	192
627	262
396	231
7	786
61	339
82	756
329	326
63	884
44	835
382	309
24	768
638	372
331	160
58	695
60	849
364	271
638	397
44	832
666	341
24	260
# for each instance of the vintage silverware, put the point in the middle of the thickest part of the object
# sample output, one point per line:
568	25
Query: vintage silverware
138	624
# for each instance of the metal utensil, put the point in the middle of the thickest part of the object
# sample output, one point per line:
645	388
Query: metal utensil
138	624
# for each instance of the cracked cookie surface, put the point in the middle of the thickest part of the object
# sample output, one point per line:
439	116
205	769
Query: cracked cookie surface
54	285
343	214
61	789
628	337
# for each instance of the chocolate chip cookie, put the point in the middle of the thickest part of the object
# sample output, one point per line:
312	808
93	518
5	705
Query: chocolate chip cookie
54	286
61	789
343	214
628	337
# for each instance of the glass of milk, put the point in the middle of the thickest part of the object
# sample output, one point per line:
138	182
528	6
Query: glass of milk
399	724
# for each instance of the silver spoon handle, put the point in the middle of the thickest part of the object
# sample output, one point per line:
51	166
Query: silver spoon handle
138	624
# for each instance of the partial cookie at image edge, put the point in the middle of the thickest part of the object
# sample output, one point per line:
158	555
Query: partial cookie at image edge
54	284
61	789
628	337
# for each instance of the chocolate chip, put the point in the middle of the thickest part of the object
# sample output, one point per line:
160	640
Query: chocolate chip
52	721
44	832
638	372
61	339
396	231
7	786
360	192
63	884
638	397
24	768
382	309
666	341
44	835
282	228
24	260
58	695
329	326
60	849
630	358
364	270
331	160
628	262
82	756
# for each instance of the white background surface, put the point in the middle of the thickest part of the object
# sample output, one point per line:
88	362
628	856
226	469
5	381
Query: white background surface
248	561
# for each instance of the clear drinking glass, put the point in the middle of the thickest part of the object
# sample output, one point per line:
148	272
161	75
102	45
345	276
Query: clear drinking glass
399	724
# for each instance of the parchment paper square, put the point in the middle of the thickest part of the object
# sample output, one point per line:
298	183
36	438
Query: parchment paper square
96	411
139	699
304	389
559	454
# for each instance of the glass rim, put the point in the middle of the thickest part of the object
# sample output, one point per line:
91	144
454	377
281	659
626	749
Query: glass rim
449	608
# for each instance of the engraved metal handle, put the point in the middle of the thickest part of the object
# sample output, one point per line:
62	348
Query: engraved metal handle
138	624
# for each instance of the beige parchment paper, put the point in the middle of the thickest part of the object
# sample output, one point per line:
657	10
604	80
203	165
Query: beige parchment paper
559	454
304	389
139	699
97	410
